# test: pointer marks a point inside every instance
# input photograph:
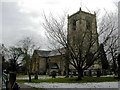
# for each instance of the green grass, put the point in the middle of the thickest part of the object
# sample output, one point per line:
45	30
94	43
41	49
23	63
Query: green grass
21	75
71	80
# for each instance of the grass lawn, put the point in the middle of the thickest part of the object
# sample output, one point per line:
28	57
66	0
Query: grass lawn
72	80
21	75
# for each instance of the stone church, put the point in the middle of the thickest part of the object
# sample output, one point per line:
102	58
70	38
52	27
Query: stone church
48	61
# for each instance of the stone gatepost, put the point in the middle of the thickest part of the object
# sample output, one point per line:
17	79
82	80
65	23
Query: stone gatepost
12	79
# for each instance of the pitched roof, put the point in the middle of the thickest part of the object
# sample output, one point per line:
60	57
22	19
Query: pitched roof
43	53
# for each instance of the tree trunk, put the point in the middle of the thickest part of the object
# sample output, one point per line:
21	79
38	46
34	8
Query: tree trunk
98	73
67	70
67	63
30	70
118	59
29	76
80	74
67	66
90	73
114	66
119	72
25	71
12	79
36	75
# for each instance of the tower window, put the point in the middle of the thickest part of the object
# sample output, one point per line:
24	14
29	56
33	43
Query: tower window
88	25
74	24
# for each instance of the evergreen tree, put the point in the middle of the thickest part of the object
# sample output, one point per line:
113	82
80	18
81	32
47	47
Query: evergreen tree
104	61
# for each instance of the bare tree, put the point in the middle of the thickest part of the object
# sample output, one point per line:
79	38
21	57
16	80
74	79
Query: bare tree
4	52
15	54
111	33
82	47
79	51
56	33
28	45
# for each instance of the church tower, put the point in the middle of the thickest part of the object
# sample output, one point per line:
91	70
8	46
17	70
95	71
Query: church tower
82	28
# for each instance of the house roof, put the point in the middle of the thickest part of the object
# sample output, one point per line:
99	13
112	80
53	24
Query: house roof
43	53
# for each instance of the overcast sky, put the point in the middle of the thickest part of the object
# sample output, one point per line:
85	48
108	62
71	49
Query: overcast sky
22	18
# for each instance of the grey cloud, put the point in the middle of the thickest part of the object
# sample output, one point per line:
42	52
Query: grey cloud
12	17
16	25
34	14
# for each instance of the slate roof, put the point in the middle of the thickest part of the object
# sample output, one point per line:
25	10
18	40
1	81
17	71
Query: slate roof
43	53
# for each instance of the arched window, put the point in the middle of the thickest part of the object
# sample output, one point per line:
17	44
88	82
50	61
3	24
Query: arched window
74	24
88	24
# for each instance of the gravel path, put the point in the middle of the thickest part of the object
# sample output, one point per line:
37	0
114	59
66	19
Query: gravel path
24	87
74	85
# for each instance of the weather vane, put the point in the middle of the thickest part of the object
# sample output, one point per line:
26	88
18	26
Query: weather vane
81	3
